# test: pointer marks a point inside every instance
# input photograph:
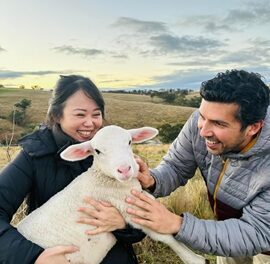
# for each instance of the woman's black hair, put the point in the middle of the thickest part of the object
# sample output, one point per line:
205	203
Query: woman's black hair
66	86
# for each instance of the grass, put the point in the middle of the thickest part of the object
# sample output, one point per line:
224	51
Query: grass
126	110
7	154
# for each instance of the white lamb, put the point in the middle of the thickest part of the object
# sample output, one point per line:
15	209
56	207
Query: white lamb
111	177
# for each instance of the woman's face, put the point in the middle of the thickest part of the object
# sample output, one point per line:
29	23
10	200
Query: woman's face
82	117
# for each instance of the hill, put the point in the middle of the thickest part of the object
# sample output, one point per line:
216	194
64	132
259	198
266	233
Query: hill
126	110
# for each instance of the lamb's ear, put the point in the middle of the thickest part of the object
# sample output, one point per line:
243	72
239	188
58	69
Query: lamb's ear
77	152
142	134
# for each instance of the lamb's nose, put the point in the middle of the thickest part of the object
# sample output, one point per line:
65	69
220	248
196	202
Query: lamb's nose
124	170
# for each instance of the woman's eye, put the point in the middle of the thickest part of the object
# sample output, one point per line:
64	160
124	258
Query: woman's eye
97	151
97	113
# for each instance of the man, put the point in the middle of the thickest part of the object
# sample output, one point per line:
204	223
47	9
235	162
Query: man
228	140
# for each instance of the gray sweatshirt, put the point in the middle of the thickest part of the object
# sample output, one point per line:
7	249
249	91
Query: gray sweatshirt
245	186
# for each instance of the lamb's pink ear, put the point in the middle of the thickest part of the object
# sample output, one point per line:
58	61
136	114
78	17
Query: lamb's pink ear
77	152
142	134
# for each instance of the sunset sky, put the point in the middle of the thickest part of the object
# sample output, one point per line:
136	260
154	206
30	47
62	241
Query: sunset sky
132	43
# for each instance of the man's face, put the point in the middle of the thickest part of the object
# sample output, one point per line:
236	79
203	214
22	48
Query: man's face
220	129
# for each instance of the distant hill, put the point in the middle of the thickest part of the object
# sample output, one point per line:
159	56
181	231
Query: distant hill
127	110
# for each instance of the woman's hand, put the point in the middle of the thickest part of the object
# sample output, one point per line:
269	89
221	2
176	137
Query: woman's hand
101	214
152	214
55	255
144	176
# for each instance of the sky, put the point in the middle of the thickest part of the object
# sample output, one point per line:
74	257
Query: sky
137	44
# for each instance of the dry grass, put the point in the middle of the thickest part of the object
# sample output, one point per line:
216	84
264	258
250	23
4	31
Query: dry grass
126	110
39	102
4	157
132	113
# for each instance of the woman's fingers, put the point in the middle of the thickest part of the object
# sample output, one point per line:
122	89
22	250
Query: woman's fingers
89	221
96	204
89	212
101	214
65	249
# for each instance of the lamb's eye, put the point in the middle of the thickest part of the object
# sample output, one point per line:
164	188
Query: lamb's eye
97	151
129	142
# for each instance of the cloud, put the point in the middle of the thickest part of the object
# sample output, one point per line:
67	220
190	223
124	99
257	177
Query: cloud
192	78
240	16
120	56
166	44
154	38
2	49
250	14
6	74
112	81
157	39
209	23
141	26
257	53
82	51
253	12
211	26
186	79
242	57
193	62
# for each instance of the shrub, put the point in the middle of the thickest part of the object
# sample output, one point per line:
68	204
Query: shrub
168	132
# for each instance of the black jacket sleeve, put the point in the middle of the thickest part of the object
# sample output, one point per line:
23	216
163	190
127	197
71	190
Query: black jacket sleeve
15	184
129	235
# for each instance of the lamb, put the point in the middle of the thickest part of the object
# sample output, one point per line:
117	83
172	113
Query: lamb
114	168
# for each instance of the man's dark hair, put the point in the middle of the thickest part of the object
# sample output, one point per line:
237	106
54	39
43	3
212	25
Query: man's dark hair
245	89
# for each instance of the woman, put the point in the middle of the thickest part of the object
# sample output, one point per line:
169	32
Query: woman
75	114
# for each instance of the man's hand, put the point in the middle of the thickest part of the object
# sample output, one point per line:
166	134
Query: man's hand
55	255
101	214
152	214
144	176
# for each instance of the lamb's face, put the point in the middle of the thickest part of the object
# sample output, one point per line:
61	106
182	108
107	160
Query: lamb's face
113	153
111	147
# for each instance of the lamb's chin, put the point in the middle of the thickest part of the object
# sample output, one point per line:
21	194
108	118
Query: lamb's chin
125	179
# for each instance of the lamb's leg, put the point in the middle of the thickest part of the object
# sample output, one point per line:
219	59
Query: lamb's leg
186	255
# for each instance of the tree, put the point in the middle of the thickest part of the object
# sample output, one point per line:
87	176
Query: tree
167	96
23	104
35	87
18	115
